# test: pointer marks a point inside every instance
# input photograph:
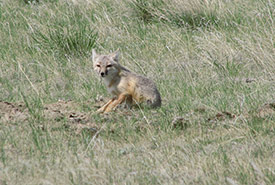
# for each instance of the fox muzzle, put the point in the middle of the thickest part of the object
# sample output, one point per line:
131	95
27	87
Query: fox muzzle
102	74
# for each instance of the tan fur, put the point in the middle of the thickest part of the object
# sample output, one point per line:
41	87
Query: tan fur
123	84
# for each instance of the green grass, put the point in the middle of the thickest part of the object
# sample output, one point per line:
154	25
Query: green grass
212	61
71	35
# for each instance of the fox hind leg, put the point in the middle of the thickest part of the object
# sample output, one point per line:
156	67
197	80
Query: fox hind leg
129	102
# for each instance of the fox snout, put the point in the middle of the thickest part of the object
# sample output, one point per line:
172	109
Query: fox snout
103	74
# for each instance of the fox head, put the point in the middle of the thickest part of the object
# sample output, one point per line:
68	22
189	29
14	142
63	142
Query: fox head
105	65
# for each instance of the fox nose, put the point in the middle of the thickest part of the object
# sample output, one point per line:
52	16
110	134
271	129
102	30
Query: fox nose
102	74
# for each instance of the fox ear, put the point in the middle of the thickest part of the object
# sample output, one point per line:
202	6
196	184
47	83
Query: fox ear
93	55
115	55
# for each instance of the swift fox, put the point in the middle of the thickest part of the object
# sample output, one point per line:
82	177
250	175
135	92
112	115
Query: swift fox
123	84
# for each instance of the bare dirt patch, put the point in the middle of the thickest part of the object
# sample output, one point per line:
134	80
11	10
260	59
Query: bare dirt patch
64	110
12	112
266	110
221	116
67	111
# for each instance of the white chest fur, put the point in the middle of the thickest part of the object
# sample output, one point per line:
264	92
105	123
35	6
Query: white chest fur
111	85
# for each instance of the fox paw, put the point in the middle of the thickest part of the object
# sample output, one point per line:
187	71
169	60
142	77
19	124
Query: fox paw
101	110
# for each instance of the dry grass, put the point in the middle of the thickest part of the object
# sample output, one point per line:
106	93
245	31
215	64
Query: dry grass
213	62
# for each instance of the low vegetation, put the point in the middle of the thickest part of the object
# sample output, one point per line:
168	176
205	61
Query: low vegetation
213	63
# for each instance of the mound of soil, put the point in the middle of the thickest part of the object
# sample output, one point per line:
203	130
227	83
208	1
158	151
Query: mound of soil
68	111
12	112
266	110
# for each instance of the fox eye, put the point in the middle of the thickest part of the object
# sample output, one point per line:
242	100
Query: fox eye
97	65
109	65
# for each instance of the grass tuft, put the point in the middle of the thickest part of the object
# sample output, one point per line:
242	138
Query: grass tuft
33	2
72	36
67	40
194	20
212	61
198	17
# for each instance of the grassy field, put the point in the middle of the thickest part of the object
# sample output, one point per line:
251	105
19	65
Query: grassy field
213	62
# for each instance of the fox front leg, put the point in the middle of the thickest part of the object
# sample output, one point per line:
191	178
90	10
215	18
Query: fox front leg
115	103
103	108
